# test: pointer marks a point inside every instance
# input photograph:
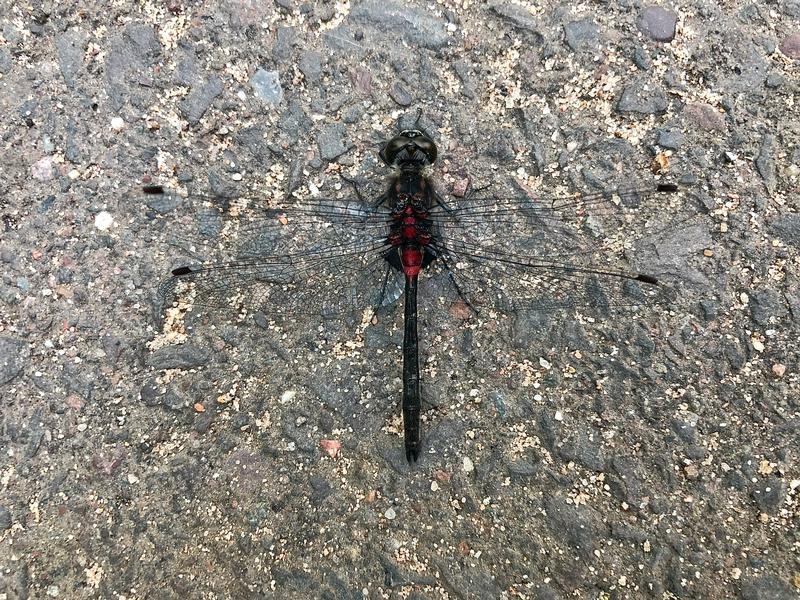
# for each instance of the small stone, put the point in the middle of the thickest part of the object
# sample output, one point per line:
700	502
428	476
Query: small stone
184	356
768	494
6	61
642	59
200	99
5	518
774	81
705	116
765	162
43	169
767	307
390	514
642	99
117	124
311	66
103	220
467	465
658	23
434	486
582	35
670	139
267	86
414	24
778	369
70	47
400	94
522	468
767	587
459	189
331	141
790	46
787	228
517	16
331	447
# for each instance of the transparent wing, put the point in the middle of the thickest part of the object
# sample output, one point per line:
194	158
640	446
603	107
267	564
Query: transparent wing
318	257
543	254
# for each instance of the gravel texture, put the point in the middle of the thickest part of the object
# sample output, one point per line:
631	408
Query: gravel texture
654	456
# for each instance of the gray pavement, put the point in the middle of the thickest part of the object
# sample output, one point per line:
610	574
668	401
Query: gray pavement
649	456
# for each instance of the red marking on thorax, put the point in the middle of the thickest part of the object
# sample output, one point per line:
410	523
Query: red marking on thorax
409	233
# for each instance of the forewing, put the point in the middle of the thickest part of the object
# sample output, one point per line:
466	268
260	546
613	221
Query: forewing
319	257
545	254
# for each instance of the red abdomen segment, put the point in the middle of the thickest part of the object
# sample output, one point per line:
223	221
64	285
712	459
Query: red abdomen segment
411	259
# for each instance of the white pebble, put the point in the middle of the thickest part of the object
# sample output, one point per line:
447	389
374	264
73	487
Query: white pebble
468	466
103	220
434	486
117	124
236	176
390	514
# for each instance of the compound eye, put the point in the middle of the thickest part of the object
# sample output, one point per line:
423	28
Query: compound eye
392	148
427	147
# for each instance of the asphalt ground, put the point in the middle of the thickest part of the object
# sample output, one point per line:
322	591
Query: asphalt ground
627	455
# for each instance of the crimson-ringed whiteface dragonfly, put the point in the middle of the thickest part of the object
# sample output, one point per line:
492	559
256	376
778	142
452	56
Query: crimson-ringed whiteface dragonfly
512	254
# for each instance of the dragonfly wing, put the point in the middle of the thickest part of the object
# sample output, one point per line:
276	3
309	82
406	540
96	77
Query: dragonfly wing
319	257
544	255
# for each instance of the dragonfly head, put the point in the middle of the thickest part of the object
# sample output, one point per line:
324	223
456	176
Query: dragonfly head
411	147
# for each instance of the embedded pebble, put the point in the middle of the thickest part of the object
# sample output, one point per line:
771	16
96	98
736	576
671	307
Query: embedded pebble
659	23
43	169
267	86
642	98
331	141
582	35
416	25
705	116
790	45
103	220
200	99
5	518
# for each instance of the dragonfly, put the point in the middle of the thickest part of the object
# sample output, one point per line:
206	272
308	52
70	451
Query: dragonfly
327	256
